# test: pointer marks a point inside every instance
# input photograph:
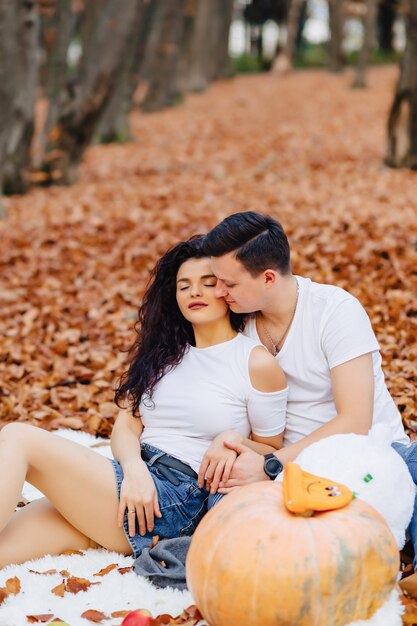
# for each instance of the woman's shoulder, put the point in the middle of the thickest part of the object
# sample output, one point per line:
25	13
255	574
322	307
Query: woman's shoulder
264	371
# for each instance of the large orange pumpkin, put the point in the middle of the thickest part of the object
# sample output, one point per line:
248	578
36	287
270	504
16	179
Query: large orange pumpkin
253	563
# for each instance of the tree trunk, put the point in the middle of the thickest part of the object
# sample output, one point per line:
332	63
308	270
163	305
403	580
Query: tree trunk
57	31
368	43
205	51
199	57
187	46
113	126
162	54
222	13
283	60
336	22
402	122
114	122
105	35
386	19
18	64
7	70
302	20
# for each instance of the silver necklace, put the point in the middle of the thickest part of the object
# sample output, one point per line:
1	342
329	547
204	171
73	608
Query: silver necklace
276	344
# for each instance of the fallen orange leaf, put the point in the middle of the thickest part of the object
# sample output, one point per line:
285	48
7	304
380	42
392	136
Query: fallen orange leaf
45	617
106	570
59	590
120	613
94	616
13	585
75	585
162	620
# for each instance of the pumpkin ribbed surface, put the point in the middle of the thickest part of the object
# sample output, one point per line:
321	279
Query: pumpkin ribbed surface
252	563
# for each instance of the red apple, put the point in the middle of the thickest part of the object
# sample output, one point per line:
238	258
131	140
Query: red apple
140	617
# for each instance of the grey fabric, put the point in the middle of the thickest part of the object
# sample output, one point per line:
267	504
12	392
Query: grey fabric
164	564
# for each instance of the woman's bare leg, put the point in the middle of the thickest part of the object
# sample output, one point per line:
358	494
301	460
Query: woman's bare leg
36	530
78	483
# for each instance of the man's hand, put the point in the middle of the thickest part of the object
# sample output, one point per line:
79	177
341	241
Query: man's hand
248	468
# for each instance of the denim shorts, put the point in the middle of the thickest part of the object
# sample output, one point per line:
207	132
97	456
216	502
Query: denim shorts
182	506
409	455
213	499
408	452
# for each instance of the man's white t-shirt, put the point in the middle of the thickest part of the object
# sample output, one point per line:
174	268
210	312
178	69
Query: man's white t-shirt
208	392
330	327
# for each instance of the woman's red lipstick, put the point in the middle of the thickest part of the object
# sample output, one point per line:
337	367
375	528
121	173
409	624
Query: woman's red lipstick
196	304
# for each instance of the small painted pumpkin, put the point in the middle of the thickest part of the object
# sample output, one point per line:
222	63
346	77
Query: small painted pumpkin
253	563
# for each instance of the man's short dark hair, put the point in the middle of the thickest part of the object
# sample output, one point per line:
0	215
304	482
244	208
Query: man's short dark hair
258	240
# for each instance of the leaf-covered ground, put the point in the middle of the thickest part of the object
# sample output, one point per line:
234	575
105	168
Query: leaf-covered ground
305	148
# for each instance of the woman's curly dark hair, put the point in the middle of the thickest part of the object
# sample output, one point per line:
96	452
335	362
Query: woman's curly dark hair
163	333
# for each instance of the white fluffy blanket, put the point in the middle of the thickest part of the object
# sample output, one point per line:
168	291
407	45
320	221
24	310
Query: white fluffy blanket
111	592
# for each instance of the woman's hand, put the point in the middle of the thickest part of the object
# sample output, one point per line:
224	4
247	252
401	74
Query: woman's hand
139	496
248	468
218	461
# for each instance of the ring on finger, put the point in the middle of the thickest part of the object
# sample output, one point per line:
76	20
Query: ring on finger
130	511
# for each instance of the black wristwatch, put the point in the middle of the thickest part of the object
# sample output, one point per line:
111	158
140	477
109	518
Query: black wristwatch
272	466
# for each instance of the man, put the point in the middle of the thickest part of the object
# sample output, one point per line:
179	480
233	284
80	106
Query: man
321	337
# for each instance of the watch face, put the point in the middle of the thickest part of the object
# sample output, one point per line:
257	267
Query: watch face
272	466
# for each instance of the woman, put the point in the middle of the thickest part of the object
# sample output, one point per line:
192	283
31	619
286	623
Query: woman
191	377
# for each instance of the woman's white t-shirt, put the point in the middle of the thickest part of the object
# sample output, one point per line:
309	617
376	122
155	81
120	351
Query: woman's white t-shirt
208	392
330	327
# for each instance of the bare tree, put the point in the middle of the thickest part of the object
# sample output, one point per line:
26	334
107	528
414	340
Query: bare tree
368	42
114	123
218	39
188	48
6	80
402	121
386	14
18	75
57	24
336	22
106	32
163	53
177	45
283	60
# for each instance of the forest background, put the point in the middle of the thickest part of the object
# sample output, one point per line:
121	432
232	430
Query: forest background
332	163
125	127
